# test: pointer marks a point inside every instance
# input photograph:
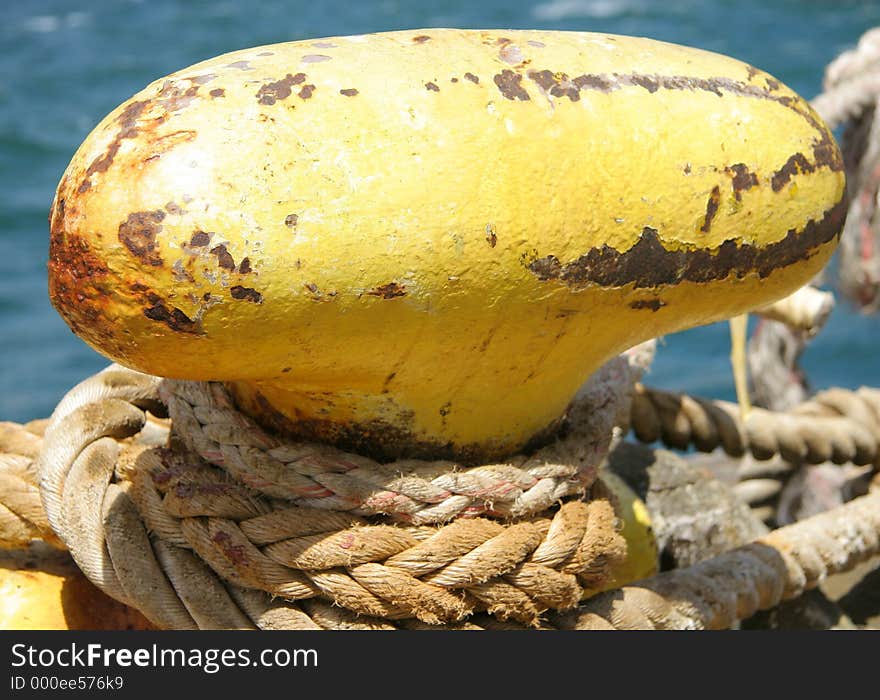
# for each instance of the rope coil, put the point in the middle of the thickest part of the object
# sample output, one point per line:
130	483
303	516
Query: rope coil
215	508
192	546
836	425
22	517
716	593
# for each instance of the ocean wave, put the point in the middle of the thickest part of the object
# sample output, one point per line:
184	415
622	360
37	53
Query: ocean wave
598	9
45	24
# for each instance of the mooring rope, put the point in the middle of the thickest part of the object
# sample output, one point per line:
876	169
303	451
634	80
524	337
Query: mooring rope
852	82
716	593
154	514
836	425
22	518
107	486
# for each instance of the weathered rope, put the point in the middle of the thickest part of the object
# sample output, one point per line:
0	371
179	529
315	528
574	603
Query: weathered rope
836	425
22	518
806	309
320	476
716	593
850	99
852	82
106	485
193	547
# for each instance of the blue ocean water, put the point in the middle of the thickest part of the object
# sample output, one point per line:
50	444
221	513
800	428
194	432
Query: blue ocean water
65	63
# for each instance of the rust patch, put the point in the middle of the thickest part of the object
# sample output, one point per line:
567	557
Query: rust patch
348	92
556	84
138	233
453	80
421	39
649	264
491	235
796	164
270	93
648	82
291	220
175	97
510	85
711	209
307	91
652	304
174	318
432	86
77	275
199	239
224	257
545	79
246	294
383	440
474	79
743	179
244	266
218	92
127	121
594	82
391	290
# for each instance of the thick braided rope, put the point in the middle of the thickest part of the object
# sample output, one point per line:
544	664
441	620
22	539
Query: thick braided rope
852	82
203	600
414	491
103	480
716	593
836	425
22	518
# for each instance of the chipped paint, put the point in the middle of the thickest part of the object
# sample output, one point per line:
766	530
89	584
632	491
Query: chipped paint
510	85
138	234
390	290
479	247
270	93
649	264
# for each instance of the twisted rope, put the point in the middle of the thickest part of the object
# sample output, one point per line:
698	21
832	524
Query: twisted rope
22	518
852	82
716	593
850	98
193	547
836	425
415	491
106	485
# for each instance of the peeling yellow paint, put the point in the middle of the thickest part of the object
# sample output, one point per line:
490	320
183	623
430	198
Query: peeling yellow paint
398	185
